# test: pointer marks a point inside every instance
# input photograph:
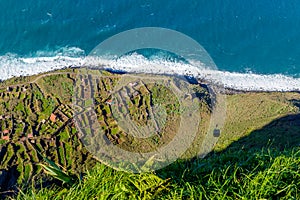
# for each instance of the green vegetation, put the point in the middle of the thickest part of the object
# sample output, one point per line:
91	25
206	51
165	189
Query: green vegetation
257	155
265	174
55	171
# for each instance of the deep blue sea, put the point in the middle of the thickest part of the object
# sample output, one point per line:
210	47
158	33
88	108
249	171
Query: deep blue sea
257	36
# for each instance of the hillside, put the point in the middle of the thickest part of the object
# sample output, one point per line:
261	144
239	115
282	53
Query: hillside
36	115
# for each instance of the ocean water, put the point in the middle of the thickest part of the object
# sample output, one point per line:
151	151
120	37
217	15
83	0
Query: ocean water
254	43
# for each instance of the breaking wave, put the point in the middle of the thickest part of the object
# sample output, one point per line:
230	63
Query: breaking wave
12	65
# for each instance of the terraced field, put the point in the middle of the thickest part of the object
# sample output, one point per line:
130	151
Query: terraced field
33	118
36	115
139	114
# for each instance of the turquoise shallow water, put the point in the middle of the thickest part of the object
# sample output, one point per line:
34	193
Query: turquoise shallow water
248	35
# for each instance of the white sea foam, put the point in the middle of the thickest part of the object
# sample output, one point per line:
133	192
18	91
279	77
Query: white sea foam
12	65
239	81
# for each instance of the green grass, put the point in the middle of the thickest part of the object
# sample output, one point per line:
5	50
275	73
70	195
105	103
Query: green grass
264	174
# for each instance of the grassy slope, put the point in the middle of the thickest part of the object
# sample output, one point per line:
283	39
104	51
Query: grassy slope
265	174
252	111
257	156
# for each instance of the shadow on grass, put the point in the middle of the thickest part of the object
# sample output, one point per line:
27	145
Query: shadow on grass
247	158
8	178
